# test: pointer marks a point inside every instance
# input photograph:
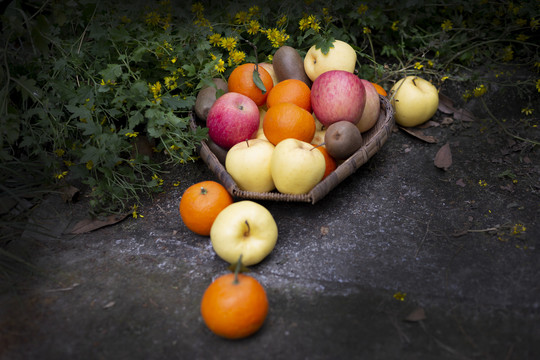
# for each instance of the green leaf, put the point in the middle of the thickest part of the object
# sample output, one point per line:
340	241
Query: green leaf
257	80
325	44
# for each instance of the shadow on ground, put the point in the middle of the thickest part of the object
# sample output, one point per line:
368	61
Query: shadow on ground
401	260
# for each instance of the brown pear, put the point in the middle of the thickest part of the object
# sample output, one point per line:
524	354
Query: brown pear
342	139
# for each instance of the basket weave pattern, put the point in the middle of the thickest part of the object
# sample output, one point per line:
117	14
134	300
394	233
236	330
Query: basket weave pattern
374	139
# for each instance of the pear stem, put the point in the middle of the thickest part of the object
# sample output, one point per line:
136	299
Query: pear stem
248	229
322	144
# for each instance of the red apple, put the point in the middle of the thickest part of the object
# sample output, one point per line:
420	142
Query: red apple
371	110
338	95
233	118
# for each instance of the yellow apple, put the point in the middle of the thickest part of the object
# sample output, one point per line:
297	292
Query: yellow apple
318	138
244	228
248	163
296	166
270	68
339	57
415	101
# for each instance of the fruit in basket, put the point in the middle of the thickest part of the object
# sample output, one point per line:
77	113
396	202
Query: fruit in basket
372	109
270	68
415	101
341	56
241	81
338	95
233	118
207	96
379	89
287	120
220	152
248	163
234	306
318	138
288	64
342	139
200	205
244	228
296	166
292	91
330	162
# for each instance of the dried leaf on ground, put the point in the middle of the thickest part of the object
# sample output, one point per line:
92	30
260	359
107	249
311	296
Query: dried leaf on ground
460	182
91	224
443	158
420	135
429	124
69	192
464	115
446	105
416	315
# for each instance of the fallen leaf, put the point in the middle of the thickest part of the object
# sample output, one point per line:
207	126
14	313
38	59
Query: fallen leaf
324	230
460	182
443	158
91	224
420	135
69	192
447	120
464	115
446	105
109	305
416	315
429	124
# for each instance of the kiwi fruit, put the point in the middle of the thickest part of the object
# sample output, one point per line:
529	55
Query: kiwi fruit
207	96
342	139
220	152
288	64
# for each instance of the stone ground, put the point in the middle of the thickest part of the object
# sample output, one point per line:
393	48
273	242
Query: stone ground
401	260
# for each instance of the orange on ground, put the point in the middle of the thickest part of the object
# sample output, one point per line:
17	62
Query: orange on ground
201	203
287	120
290	90
379	89
234	308
241	81
331	164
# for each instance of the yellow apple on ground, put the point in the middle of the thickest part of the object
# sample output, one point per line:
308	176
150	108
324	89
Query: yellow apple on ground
270	68
415	101
244	228
248	163
341	56
296	166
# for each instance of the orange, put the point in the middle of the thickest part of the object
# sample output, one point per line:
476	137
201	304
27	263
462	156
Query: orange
379	89
234	306
331	164
241	81
201	203
288	120
290	90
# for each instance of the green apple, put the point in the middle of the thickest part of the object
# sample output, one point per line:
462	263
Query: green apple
295	168
415	101
341	56
244	228
248	163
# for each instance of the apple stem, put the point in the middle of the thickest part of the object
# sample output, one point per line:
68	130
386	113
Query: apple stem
237	269
247	143
413	82
248	229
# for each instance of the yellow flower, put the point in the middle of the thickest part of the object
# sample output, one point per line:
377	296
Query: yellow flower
134	213
303	24
59	152
400	296
220	66
228	43
326	16
508	53
159	181
445	78
527	111
395	25
241	17
362	9
254	11
237	56
61	175
277	37
253	27
68	163
197	8
447	25
518	229
482	183
418	66
538	85
214	39
479	90
534	24
170	82
282	21
521	22
152	18
89	164
522	37
367	30
176	183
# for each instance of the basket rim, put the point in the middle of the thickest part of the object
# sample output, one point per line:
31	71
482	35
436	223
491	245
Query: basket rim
374	140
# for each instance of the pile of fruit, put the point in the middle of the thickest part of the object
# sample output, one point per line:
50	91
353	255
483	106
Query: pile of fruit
286	125
282	126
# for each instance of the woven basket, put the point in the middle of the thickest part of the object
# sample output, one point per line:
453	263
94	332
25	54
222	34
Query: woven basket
374	139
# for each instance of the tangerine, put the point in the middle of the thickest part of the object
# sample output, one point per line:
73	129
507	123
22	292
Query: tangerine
379	89
331	163
290	90
288	120
201	203
234	306
241	81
